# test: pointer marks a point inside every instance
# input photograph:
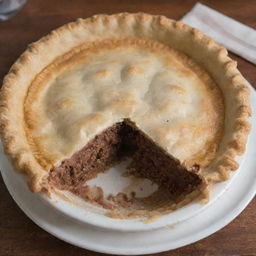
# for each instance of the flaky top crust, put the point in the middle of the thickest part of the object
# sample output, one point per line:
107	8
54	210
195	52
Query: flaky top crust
95	85
16	129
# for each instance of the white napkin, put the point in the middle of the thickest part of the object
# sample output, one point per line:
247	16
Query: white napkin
235	36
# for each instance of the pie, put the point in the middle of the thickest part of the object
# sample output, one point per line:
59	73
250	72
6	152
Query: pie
126	86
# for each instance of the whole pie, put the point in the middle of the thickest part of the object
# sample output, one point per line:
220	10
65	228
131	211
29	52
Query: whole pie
126	86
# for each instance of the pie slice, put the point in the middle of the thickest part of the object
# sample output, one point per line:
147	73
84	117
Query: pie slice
97	91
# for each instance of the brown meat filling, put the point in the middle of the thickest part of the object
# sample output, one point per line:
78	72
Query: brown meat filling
120	141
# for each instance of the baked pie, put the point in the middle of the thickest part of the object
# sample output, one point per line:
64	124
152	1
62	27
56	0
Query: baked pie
126	86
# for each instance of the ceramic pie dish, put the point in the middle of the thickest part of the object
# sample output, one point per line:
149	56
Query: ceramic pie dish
109	88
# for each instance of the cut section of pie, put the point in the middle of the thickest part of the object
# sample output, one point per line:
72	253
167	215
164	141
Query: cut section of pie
127	86
113	145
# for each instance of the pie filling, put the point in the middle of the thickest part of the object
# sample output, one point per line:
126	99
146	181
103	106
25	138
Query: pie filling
147	160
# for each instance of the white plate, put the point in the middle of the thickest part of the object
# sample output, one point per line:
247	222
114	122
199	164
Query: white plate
218	214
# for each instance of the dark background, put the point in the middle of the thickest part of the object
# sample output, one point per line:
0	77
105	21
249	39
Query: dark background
19	236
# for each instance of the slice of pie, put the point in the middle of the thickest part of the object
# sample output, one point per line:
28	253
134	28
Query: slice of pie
127	86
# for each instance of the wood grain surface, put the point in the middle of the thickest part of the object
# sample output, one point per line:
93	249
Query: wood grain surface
19	236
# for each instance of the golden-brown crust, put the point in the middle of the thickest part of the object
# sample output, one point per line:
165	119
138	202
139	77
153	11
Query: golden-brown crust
180	36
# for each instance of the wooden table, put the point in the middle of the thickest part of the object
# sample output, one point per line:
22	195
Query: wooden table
18	234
